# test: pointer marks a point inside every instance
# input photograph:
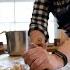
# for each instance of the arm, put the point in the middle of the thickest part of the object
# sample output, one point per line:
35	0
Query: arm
65	48
38	29
50	61
38	26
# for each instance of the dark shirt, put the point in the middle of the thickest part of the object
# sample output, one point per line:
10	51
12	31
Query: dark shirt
40	15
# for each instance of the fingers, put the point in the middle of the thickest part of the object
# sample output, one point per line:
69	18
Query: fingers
33	54
43	66
28	54
38	62
32	57
35	57
43	45
32	45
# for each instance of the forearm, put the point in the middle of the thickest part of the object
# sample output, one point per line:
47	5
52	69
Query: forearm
55	62
65	49
39	20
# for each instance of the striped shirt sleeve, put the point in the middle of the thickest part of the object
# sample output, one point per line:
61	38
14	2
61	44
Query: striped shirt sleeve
39	17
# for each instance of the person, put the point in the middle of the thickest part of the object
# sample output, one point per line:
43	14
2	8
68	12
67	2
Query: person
38	58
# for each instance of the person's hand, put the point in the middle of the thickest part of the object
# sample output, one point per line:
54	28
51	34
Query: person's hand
37	59
37	37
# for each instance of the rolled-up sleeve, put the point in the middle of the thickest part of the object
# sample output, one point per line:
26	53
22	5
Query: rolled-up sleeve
39	17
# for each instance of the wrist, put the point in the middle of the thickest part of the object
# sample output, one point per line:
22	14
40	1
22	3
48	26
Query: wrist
62	56
58	61
55	63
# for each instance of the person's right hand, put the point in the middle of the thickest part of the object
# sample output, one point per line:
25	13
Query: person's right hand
37	37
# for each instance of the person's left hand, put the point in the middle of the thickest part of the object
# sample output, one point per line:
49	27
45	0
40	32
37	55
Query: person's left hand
37	59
